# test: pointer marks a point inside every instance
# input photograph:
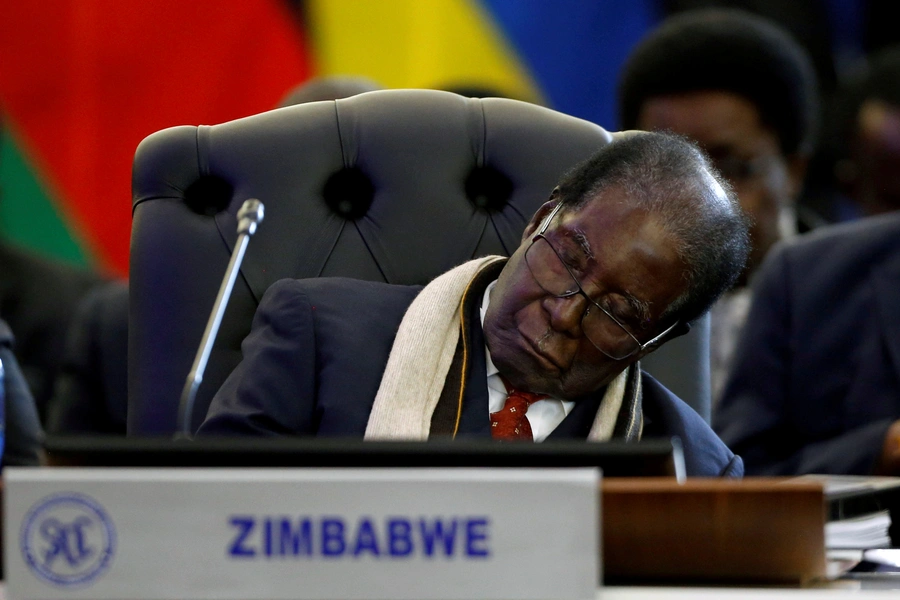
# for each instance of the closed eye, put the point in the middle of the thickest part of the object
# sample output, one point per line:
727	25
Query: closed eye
574	261
621	309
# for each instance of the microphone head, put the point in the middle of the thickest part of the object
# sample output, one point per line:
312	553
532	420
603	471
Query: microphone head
250	215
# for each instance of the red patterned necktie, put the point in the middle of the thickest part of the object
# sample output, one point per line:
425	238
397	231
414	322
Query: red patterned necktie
510	423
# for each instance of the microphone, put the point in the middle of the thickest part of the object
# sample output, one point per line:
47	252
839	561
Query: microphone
249	216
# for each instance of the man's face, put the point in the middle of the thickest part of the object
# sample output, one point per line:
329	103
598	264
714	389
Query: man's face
728	127
623	260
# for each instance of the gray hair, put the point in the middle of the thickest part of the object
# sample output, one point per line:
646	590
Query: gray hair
670	178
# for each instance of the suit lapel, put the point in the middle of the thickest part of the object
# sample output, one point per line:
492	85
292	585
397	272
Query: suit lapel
578	422
474	421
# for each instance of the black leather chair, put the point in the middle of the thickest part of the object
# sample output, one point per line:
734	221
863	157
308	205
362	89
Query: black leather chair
396	186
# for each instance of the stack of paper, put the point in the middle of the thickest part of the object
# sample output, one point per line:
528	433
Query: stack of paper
867	531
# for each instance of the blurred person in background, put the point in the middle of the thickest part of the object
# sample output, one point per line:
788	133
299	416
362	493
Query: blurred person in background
38	298
816	381
20	430
743	89
815	386
91	392
861	139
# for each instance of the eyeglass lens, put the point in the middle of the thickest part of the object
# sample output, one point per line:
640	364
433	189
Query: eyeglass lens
554	278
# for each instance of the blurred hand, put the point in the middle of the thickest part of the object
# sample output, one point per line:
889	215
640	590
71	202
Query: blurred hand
889	462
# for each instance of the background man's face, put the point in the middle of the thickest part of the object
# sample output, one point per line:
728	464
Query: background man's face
535	339
728	127
876	153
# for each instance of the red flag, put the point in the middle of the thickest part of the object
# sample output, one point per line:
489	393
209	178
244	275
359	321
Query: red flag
82	82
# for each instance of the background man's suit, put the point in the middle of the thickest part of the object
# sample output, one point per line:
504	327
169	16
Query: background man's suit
91	391
315	357
20	429
817	374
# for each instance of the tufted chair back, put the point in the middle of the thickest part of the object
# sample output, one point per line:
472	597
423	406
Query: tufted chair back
396	186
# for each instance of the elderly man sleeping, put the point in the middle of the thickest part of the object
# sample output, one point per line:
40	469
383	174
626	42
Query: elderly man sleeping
631	247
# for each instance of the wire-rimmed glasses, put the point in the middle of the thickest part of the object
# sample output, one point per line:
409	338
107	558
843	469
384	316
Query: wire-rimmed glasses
601	328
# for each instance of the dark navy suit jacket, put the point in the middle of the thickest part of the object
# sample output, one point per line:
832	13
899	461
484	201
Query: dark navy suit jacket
20	428
816	381
314	358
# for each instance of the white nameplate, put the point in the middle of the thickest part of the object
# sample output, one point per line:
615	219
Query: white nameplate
301	534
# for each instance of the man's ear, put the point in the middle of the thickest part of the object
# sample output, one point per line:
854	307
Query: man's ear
542	213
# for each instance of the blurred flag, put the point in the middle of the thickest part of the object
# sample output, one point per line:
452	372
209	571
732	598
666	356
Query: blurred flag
83	81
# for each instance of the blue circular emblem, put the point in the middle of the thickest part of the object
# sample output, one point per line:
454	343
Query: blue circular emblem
67	539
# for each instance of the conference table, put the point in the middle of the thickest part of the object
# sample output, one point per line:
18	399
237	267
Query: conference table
837	591
750	539
833	592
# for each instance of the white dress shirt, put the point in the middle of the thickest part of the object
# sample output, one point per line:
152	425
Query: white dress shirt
543	415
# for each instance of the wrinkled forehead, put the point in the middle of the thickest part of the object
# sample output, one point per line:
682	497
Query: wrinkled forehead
619	216
610	221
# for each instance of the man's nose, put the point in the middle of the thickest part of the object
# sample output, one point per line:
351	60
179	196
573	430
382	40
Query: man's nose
566	313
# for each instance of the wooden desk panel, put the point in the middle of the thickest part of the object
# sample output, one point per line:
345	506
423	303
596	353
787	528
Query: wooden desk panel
713	530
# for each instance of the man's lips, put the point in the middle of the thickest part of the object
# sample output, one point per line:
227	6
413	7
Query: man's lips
548	360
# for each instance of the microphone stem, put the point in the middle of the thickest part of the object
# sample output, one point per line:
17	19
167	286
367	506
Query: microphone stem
189	393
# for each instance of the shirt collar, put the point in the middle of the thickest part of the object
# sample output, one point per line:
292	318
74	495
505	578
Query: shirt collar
485	302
